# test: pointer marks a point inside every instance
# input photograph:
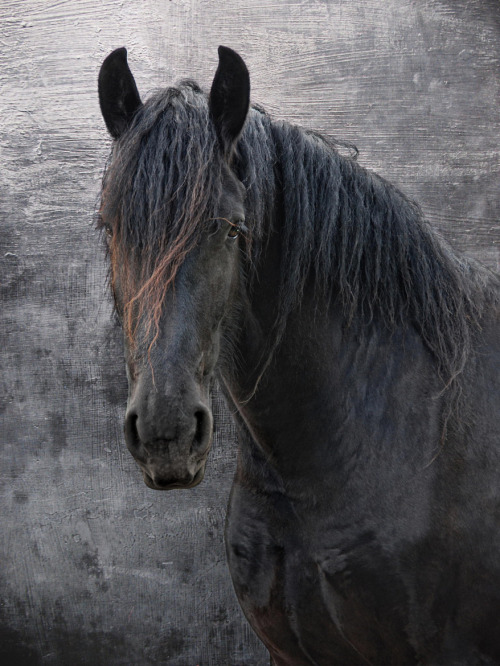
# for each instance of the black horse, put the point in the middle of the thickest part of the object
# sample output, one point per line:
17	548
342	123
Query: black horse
359	354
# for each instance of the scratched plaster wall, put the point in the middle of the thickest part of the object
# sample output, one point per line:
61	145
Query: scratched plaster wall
95	568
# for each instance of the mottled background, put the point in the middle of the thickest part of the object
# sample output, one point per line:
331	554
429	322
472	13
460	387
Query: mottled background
94	567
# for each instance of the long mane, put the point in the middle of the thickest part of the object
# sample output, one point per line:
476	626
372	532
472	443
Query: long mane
343	226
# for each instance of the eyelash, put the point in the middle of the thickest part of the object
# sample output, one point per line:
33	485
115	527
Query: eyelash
235	228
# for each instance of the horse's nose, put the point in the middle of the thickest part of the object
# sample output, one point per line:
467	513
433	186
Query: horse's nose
190	428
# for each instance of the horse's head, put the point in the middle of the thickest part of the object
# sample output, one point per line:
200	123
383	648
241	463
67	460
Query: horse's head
173	210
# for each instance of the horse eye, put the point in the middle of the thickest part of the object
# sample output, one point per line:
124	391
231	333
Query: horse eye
234	231
109	235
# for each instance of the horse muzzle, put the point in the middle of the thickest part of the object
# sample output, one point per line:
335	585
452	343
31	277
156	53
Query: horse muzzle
170	445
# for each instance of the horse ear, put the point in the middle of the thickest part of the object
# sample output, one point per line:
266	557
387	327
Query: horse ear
118	95
229	97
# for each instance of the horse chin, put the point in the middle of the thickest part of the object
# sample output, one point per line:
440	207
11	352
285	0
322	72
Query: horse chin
158	483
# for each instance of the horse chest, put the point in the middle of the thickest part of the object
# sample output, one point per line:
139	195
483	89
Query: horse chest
315	598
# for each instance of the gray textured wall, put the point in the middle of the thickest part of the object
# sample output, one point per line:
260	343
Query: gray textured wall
94	567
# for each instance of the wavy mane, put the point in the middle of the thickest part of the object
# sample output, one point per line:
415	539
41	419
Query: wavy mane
343	226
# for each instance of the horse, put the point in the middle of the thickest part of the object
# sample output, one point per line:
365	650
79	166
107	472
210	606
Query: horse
358	353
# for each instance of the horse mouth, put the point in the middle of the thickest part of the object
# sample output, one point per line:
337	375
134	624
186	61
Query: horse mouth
171	484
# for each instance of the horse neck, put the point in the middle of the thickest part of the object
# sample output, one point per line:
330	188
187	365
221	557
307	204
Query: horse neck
329	386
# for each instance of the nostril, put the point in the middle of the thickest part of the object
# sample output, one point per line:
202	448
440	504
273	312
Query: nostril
203	431
199	426
131	433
